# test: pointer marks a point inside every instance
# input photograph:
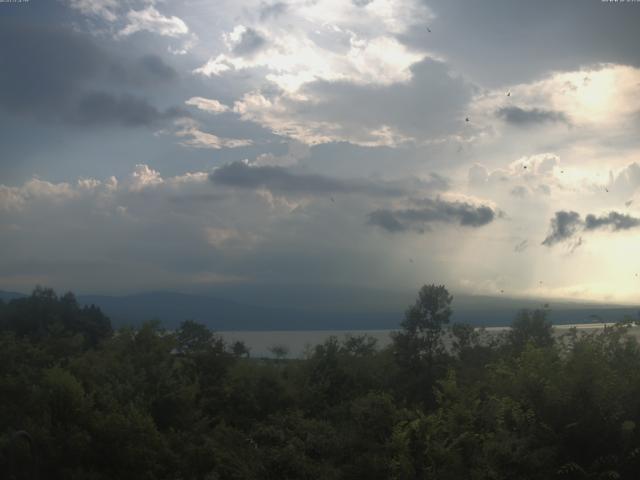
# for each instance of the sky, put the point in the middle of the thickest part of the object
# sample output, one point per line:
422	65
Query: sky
366	144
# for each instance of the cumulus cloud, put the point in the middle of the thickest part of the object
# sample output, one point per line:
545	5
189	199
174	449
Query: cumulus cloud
191	134
244	41
207	104
151	20
143	177
432	211
627	180
323	40
530	176
16	198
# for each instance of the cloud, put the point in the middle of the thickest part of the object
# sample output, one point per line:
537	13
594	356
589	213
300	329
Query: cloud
157	68
530	176
296	151
151	20
432	211
144	177
430	105
543	37
146	71
563	226
523	117
272	10
244	41
559	100
521	246
207	104
478	174
145	231
387	220
74	70
190	131
16	198
100	8
519	191
627	180
64	59
282	181
323	40
79	228
230	238
616	221
101	108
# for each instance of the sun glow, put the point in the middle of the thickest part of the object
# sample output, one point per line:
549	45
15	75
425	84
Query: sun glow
596	92
604	95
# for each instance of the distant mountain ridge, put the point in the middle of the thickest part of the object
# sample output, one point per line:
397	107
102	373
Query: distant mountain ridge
220	314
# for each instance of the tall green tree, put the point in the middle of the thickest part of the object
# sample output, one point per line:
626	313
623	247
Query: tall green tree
420	340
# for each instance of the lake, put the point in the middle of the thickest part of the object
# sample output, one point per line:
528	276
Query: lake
297	341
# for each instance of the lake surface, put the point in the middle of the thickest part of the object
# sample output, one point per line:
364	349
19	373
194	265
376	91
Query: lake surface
297	342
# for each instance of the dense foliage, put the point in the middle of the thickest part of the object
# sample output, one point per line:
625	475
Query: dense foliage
78	401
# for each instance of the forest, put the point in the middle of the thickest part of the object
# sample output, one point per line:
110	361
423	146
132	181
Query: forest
79	400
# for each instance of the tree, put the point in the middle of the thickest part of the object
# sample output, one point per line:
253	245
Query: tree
531	327
421	338
279	351
240	349
464	337
193	337
359	345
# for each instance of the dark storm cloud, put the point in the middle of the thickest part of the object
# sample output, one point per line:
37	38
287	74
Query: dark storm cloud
499	42
146	70
43	67
250	42
155	66
431	211
566	224
100	108
523	117
616	221
563	226
281	180
55	74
